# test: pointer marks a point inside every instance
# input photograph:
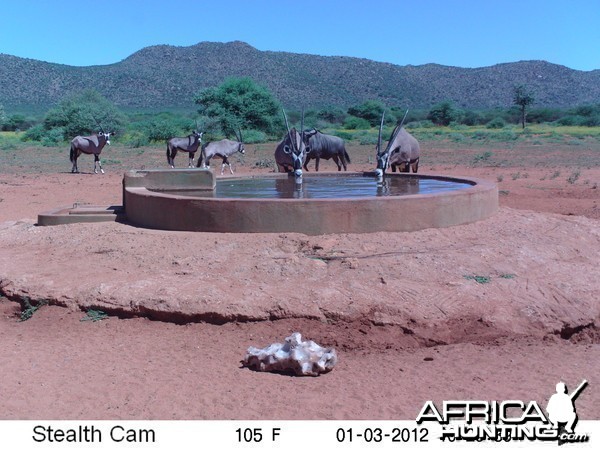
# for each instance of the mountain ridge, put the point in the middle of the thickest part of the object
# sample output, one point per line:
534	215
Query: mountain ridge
161	77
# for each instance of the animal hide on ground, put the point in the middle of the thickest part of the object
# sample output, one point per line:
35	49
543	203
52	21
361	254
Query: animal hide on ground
292	356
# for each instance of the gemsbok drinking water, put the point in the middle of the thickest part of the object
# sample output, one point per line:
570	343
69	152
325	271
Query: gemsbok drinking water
402	151
292	150
90	145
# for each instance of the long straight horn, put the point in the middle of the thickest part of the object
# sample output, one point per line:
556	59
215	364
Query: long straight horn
240	130
302	123
98	123
287	125
380	130
398	127
404	118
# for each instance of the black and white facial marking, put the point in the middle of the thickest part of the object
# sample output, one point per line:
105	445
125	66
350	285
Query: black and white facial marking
296	147
382	163
297	150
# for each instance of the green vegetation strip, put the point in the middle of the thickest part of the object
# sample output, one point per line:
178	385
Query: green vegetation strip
94	315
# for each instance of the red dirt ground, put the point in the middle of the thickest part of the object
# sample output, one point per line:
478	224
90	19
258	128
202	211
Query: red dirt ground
407	323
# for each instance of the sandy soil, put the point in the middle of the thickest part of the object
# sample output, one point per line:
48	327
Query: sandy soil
408	320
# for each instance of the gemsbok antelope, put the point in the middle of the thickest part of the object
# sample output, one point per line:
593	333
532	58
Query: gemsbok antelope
402	151
90	145
188	144
292	150
221	149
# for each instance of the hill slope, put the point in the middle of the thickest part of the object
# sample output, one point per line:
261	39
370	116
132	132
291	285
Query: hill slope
164	77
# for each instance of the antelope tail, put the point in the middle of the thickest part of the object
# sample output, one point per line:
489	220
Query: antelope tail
72	154
347	156
201	156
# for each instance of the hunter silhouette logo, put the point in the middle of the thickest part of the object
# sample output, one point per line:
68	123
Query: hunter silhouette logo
509	420
561	410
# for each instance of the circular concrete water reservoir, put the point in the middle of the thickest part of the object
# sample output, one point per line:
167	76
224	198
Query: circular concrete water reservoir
324	203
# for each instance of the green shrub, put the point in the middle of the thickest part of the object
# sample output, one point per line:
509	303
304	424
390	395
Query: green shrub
162	131
35	133
356	123
254	136
84	113
496	123
53	137
332	115
135	139
371	111
443	114
367	139
345	135
241	103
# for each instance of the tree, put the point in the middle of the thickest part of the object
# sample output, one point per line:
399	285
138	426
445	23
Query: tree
371	111
240	103
84	113
522	98
442	114
16	122
332	114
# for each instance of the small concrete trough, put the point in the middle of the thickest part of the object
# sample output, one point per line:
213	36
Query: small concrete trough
80	213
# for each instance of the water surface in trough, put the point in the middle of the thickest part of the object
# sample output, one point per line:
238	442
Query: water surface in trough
335	186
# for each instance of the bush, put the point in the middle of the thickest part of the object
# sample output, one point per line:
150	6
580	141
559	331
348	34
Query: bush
35	133
471	118
371	111
456	137
356	123
543	115
241	103
162	130
135	139
496	123
83	114
53	137
570	121
345	135
442	114
332	115
254	136
368	139
420	124
17	122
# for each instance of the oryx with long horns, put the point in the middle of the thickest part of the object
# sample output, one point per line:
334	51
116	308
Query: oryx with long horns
221	149
91	145
402	151
292	150
188	144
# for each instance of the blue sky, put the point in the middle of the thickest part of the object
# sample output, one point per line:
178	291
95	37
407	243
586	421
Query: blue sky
468	33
